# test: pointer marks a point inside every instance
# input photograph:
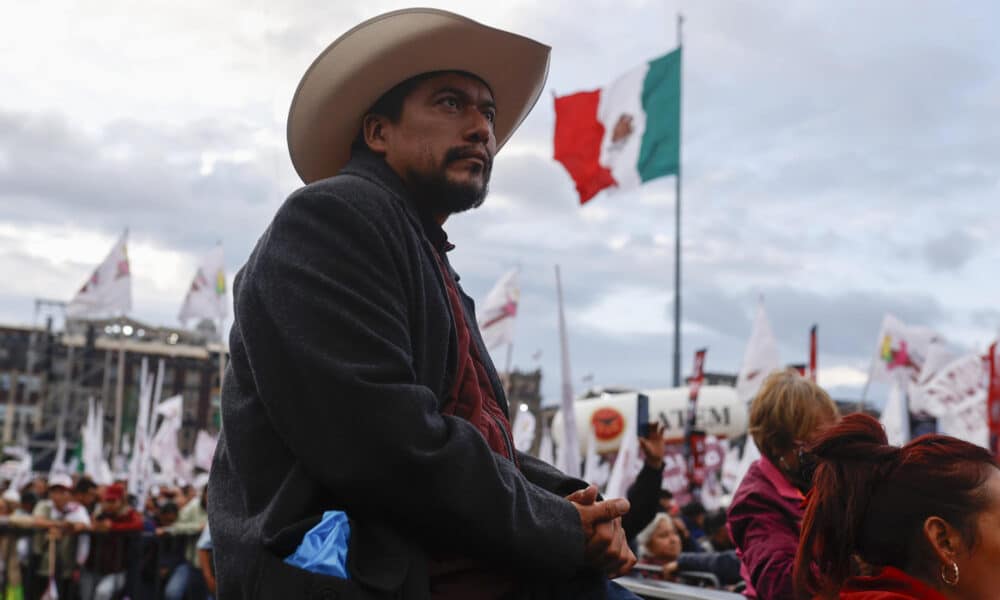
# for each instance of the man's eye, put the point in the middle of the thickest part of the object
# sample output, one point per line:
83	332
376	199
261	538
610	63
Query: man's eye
491	116
450	102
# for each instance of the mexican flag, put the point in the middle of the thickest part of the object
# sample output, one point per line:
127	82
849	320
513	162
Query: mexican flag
624	134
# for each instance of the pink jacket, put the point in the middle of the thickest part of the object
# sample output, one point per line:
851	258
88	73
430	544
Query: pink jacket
765	521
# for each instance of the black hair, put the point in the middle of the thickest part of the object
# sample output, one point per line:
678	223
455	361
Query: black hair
84	485
29	498
714	521
693	509
168	508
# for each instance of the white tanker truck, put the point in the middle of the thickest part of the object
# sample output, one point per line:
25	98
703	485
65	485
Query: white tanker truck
719	413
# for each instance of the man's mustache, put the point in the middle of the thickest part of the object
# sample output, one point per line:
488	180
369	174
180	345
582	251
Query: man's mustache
463	152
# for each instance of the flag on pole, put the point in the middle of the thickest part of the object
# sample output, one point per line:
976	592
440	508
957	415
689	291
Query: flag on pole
524	430
140	444
569	449
163	447
962	379
968	421
496	317
204	450
627	464
895	416
108	290
206	298
759	359
594	471
92	436
901	349
59	462
623	134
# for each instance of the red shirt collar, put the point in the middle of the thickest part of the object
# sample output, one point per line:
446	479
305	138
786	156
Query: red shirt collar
891	580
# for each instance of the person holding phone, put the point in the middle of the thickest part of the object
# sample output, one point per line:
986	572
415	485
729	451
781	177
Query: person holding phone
644	494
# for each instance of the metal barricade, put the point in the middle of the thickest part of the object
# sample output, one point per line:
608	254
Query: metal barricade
653	589
142	556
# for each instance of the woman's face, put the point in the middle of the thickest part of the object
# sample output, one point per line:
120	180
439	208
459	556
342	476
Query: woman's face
979	568
665	543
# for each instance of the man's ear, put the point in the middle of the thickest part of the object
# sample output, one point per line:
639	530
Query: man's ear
944	539
373	128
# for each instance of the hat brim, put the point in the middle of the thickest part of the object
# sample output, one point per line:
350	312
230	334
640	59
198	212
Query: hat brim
370	59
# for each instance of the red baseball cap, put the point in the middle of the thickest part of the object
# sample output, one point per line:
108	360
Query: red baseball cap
115	491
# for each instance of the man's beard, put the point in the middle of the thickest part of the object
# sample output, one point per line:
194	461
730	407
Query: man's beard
441	196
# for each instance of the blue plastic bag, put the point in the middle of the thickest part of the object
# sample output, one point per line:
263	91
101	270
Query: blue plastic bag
324	547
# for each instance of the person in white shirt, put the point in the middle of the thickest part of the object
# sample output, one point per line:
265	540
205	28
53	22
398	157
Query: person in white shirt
61	547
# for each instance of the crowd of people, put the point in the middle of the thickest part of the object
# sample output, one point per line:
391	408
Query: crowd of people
830	510
68	537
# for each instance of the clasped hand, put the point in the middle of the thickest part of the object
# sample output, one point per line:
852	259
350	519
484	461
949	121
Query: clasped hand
606	547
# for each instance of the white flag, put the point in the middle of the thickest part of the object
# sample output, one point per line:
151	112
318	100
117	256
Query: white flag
204	450
138	472
895	416
760	357
92	452
735	467
206	298
524	430
496	317
627	464
961	380
163	447
59	462
594	471
108	291
901	349
968	421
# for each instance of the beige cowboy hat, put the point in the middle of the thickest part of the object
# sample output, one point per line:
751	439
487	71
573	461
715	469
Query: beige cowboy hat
370	59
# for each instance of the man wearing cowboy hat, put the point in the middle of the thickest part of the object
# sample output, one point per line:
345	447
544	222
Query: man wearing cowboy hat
358	381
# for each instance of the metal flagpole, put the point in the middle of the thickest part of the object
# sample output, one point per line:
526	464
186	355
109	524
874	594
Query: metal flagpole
119	394
570	448
677	230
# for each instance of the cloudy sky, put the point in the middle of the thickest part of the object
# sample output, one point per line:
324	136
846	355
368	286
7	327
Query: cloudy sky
840	160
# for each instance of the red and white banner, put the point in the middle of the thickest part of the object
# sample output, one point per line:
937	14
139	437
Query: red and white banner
675	471
695	438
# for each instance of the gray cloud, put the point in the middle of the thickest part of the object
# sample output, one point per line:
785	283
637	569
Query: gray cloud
820	144
951	251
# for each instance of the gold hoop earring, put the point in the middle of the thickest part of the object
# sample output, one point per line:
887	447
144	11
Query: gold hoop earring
949	574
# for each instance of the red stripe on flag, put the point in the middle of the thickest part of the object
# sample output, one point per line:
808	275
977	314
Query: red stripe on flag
578	143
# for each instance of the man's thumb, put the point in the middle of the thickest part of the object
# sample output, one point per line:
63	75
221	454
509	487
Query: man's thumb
611	509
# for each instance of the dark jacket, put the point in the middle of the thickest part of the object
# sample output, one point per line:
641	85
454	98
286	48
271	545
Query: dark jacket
765	520
725	565
644	500
342	351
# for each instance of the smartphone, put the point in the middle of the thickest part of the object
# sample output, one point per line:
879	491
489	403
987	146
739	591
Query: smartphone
642	415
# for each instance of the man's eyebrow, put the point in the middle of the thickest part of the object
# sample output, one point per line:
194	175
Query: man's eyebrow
465	96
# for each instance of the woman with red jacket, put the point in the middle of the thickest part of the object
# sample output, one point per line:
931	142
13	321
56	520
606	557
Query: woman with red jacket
923	519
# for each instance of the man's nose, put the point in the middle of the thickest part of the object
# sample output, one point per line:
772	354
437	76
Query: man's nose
480	128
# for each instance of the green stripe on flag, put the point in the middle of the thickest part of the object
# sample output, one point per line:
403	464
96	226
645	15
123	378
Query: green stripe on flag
661	100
